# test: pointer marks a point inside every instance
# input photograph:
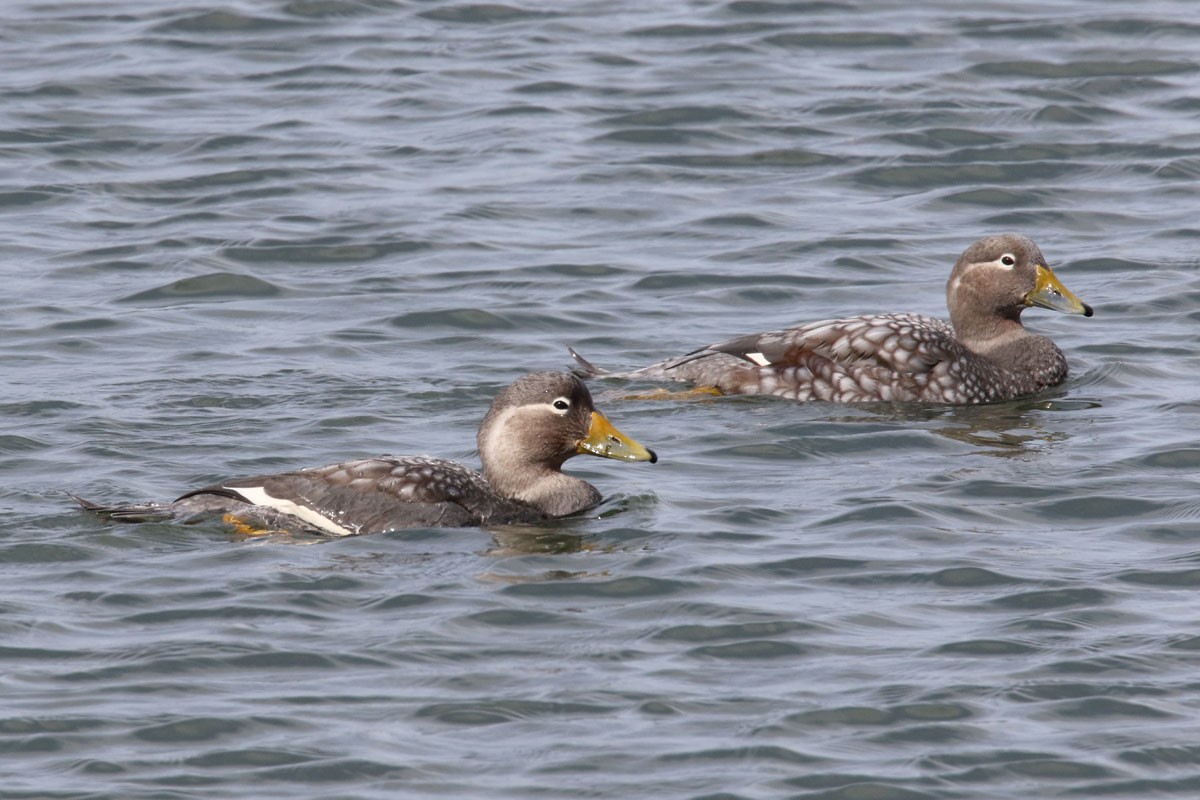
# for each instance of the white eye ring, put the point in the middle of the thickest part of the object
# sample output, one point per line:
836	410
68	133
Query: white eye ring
561	405
1008	261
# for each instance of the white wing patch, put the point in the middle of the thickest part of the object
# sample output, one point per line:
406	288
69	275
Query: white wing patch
759	358
258	496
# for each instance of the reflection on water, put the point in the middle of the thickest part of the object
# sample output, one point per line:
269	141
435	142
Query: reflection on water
1001	429
1010	430
1007	430
1004	430
532	540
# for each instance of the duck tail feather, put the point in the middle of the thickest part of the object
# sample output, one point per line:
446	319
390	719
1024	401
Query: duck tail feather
137	512
585	368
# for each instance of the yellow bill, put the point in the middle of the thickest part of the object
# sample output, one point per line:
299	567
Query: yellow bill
604	440
1050	293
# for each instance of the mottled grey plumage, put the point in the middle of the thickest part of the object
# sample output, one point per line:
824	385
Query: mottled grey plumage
532	427
985	355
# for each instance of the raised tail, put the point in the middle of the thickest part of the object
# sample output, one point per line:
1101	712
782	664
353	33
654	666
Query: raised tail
585	368
140	512
663	370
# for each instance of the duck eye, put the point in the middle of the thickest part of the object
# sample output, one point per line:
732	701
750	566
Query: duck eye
561	404
1007	260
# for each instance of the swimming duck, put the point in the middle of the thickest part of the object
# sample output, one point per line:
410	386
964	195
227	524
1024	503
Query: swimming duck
984	355
532	427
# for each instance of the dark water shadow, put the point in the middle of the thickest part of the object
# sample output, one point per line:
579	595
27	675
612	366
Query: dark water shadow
1004	430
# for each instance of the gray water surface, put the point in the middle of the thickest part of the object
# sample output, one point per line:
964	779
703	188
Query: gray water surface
252	236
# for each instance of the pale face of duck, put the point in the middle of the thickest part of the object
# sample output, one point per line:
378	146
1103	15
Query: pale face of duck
545	418
997	278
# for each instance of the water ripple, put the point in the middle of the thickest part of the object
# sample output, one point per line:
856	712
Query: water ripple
245	239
